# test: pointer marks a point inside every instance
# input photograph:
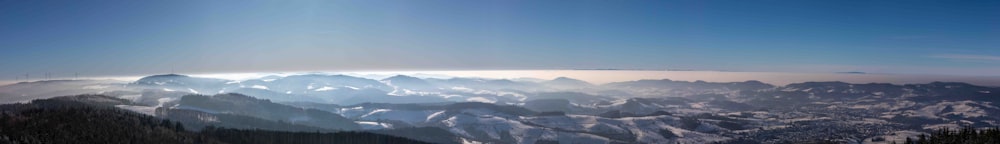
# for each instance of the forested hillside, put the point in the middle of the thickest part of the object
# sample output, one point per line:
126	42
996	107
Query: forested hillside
966	135
72	120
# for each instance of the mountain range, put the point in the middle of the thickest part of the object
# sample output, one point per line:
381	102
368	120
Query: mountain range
563	110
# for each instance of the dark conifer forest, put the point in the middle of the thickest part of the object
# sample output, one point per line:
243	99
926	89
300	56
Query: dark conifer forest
60	120
966	135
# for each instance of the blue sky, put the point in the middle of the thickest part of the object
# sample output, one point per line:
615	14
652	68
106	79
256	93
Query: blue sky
107	37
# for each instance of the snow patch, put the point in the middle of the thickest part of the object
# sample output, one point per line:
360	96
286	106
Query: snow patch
326	88
369	125
259	87
481	99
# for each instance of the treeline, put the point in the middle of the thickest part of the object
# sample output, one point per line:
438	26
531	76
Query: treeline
239	136
74	122
90	125
966	135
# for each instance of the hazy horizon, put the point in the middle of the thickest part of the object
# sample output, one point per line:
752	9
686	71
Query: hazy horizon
608	76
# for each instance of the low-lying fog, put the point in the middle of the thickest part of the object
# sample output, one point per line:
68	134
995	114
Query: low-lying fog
607	76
